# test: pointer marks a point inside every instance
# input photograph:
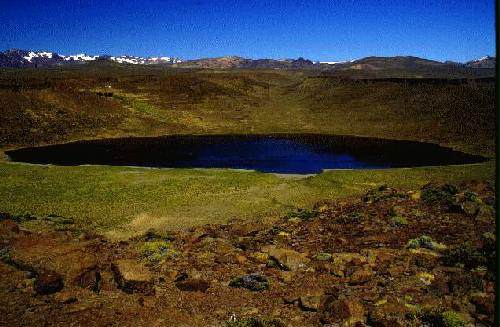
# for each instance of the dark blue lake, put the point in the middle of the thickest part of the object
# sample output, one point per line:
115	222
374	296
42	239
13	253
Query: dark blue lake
290	154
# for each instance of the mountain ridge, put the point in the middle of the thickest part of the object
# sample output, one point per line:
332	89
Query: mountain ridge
16	58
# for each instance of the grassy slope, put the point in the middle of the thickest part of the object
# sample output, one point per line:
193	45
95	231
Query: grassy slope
61	105
137	199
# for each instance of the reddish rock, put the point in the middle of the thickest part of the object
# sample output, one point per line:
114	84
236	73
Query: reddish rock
485	303
388	315
48	282
345	312
90	279
193	285
132	277
289	259
8	227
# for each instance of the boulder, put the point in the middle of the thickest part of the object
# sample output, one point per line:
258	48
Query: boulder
132	277
287	259
344	312
48	282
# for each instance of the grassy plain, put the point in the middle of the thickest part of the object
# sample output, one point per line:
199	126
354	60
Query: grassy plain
60	105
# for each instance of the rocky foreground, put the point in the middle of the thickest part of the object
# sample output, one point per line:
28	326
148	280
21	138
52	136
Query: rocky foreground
390	258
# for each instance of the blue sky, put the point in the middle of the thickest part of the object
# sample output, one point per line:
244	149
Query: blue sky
315	29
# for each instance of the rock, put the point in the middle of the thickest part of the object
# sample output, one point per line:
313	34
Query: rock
240	259
90	279
397	211
381	193
470	208
344	259
361	276
485	303
354	259
287	276
260	257
287	259
310	303
322	256
345	312
216	245
48	282
132	276
8	228
486	214
193	285
66	297
311	300
389	315
253	282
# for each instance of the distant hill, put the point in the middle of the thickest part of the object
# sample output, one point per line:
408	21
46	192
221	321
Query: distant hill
399	62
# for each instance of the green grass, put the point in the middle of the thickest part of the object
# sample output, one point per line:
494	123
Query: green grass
125	201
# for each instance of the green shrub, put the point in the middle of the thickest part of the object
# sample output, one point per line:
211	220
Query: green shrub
399	221
352	217
464	254
452	319
155	251
301	213
438	317
18	218
439	194
423	241
153	235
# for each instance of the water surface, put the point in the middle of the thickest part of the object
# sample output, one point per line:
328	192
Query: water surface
291	154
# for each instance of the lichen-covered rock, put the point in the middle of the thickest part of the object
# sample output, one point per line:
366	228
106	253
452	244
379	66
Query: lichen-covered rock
485	214
132	277
361	275
311	299
322	256
470	208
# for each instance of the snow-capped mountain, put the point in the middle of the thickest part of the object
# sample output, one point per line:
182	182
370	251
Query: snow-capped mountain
484	62
144	61
26	58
